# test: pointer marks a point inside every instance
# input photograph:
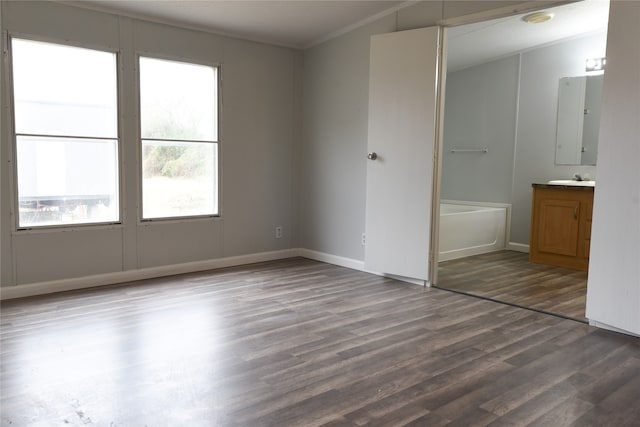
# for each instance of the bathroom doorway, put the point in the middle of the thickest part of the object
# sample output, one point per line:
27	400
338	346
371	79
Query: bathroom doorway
500	125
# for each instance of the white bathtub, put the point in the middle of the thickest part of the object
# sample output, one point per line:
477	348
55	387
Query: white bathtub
470	228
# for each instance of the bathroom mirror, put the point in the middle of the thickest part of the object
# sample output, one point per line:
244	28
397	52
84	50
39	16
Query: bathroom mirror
578	120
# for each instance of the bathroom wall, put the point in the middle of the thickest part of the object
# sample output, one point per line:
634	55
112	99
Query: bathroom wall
483	109
480	111
541	69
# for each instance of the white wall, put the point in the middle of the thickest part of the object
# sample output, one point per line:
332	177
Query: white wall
333	154
334	145
613	293
5	231
480	111
259	129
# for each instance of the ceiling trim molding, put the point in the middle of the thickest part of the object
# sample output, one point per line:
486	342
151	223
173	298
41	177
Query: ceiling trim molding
361	23
171	22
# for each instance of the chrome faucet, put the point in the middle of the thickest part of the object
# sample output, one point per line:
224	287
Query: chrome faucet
577	177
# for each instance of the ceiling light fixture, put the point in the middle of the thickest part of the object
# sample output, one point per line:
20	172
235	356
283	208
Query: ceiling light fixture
537	17
595	64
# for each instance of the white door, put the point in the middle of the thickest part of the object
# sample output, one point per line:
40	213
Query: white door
402	134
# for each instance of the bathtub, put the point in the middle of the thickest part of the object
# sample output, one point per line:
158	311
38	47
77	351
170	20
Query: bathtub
471	228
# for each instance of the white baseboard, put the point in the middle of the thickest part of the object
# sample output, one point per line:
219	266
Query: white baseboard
351	263
611	328
40	288
404	279
518	247
62	285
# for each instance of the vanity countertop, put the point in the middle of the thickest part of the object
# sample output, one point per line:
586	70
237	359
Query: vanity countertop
564	186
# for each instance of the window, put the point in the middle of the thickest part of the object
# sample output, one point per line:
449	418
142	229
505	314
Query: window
179	130
66	134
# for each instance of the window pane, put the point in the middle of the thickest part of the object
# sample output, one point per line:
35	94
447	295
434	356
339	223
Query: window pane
67	181
179	179
62	90
178	100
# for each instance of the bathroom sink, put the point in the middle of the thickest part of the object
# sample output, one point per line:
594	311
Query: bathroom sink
572	182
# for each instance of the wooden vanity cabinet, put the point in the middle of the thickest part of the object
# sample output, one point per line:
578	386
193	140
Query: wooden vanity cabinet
561	225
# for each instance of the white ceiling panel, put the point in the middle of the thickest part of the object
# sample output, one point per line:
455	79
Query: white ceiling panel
294	23
302	23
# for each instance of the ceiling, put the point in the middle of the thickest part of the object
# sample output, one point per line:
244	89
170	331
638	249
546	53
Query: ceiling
473	44
292	23
303	23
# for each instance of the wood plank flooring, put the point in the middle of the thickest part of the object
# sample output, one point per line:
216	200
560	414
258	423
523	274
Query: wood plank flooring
301	343
509	277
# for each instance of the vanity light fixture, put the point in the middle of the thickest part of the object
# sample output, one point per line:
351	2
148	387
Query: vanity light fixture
537	17
595	64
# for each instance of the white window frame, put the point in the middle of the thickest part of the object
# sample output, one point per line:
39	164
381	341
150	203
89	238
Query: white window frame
13	149
217	143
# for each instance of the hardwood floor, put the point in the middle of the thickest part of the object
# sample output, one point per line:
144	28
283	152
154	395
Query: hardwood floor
301	343
509	277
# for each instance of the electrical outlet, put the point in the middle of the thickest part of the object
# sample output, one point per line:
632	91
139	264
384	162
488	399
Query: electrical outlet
279	232
364	239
